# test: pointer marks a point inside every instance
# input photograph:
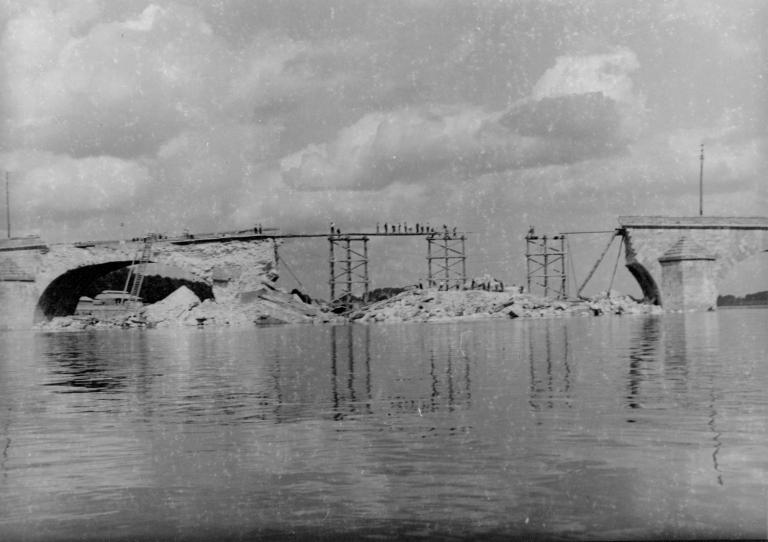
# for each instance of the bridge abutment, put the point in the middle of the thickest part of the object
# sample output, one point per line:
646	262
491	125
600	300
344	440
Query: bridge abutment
38	282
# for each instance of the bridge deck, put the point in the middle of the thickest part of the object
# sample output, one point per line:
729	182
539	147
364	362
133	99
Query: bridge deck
695	222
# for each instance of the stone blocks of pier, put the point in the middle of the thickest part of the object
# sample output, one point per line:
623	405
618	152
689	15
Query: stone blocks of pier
688	278
729	240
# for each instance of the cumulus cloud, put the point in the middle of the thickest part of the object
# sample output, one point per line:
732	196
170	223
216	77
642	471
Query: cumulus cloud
122	87
581	108
60	187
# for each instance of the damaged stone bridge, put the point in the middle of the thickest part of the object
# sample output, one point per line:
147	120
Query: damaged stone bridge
39	281
678	261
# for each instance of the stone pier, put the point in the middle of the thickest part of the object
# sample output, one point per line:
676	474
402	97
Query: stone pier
686	276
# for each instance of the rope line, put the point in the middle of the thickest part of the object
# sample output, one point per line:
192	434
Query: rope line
285	263
616	266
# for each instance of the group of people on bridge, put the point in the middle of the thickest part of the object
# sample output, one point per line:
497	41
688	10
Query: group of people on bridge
418	228
403	227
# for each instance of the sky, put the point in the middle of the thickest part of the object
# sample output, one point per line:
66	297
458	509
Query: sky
124	116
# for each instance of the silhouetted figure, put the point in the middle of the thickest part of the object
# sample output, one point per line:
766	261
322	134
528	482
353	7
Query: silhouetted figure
333	225
377	227
386	228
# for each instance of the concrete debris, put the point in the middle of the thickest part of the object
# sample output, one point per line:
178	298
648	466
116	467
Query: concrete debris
436	306
268	306
172	308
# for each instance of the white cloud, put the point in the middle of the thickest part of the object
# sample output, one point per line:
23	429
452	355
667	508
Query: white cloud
581	108
61	187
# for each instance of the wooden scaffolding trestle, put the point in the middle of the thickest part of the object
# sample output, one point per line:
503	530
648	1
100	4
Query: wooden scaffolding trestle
446	261
545	264
348	260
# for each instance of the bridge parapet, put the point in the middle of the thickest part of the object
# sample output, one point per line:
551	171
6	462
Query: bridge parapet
729	240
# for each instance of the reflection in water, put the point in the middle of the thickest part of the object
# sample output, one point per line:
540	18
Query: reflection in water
444	381
549	365
682	346
715	436
78	363
6	446
345	397
472	430
643	353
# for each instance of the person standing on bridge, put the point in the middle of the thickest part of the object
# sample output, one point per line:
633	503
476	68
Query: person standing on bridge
377	227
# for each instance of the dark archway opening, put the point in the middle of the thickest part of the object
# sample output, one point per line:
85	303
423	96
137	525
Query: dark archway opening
154	288
647	284
61	296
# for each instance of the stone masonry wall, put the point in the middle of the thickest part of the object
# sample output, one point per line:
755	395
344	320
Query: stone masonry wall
730	240
248	264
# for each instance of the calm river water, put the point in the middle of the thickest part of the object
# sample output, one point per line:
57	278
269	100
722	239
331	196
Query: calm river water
601	428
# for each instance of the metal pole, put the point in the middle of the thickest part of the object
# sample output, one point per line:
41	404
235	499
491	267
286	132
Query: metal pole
7	205
701	181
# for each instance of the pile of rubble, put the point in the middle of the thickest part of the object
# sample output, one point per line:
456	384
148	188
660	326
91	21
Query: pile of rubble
269	305
265	306
434	306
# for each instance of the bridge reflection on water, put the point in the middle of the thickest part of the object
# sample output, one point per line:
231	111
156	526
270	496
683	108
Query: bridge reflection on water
571	427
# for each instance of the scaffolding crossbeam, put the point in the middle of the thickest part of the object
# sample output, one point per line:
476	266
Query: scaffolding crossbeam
545	264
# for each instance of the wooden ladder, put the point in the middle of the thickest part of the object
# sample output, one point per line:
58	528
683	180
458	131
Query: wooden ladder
139	266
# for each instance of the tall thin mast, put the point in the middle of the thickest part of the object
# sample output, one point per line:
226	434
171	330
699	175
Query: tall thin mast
701	181
7	205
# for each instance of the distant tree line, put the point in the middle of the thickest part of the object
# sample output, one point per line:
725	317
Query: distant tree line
154	288
758	298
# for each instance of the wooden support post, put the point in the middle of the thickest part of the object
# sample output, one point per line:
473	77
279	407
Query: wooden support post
563	258
445	254
349	270
546	267
332	280
365	269
429	263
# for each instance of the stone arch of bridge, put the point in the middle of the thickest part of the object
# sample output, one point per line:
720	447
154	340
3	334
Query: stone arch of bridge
646	282
60	297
